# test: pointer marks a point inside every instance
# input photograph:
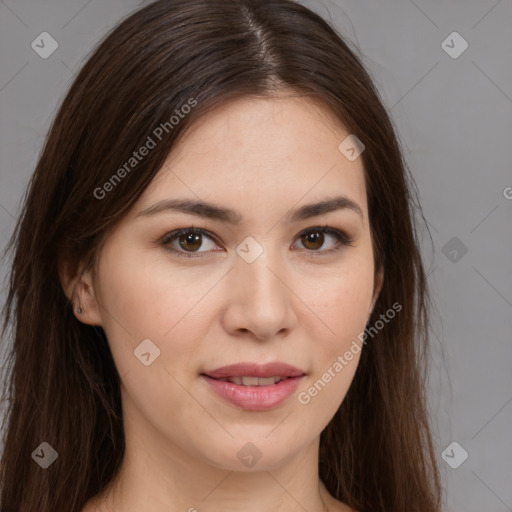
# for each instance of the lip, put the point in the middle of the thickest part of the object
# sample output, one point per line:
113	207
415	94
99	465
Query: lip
255	398
255	370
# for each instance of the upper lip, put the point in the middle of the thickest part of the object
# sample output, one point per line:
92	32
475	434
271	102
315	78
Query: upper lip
275	369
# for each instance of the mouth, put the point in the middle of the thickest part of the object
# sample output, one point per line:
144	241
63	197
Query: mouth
254	387
253	381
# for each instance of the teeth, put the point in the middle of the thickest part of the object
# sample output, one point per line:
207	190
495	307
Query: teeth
253	381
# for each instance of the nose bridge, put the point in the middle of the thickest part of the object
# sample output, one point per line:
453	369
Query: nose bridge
257	266
260	301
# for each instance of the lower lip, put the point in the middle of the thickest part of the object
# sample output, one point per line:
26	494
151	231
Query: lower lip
255	398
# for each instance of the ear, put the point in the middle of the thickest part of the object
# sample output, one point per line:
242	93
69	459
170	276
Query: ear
377	287
79	289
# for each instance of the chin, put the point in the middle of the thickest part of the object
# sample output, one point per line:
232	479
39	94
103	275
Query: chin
250	456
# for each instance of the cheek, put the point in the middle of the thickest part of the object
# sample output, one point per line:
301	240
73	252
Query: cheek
144	298
132	304
342	306
340	303
142	301
143	294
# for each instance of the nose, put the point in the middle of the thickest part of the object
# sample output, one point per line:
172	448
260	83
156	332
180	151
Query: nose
260	300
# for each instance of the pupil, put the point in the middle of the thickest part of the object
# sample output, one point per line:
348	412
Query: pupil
314	238
190	238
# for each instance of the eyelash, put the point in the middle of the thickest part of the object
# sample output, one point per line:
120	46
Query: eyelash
341	237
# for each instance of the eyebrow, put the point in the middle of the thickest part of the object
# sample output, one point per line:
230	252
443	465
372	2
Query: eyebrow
229	216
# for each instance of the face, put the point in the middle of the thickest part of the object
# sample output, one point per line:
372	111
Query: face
279	285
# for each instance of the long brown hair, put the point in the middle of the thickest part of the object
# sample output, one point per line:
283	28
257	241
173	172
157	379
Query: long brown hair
62	386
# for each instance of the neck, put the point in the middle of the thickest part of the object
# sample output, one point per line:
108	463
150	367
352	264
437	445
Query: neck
158	480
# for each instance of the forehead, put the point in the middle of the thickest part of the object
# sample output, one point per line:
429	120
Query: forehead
261	150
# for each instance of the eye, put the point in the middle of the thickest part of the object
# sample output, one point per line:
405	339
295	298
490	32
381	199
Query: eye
189	240
314	238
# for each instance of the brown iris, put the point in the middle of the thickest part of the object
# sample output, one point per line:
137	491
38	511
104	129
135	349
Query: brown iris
190	238
314	238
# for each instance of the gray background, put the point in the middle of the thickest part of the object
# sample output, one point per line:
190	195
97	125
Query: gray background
454	117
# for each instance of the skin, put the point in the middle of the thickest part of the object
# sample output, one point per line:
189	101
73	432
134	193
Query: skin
295	303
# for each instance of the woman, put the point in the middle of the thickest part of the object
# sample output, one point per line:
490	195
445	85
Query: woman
217	297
